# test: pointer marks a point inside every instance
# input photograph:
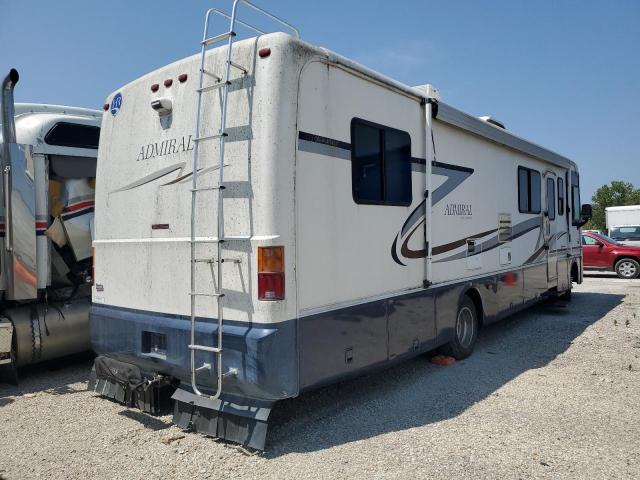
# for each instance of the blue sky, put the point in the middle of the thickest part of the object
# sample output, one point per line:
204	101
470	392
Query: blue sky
565	74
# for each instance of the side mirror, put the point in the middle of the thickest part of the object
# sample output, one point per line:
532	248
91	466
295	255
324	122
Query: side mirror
599	244
585	214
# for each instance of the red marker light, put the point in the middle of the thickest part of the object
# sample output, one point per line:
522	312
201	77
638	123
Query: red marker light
105	107
168	82
264	52
182	78
155	87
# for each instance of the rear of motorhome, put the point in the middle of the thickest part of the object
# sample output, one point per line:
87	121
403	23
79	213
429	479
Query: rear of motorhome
623	223
48	167
273	217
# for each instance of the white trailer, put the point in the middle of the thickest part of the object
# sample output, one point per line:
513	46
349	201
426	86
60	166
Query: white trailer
338	221
623	224
46	213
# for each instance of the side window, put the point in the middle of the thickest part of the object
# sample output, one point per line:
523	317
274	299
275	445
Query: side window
551	198
560	196
575	199
587	240
529	190
380	164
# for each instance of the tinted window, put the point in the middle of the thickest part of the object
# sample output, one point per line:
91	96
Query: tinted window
551	198
380	164
624	233
575	199
529	190
366	163
560	196
523	190
73	135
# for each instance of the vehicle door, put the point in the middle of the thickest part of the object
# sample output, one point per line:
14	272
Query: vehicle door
551	230
594	253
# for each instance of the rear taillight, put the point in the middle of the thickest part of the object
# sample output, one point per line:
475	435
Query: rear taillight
270	273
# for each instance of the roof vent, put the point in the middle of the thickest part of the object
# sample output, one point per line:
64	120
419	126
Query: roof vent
493	121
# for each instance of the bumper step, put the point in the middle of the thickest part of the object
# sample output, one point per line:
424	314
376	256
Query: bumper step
235	419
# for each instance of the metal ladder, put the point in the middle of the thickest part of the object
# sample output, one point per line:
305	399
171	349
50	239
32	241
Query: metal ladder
223	82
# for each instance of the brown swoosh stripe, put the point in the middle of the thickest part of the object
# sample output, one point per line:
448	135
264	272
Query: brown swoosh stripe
458	243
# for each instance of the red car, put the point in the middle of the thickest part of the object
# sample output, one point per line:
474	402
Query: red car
600	252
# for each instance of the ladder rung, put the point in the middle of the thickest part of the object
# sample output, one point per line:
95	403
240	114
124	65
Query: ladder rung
204	348
213	260
213	87
239	67
218	38
211	74
225	239
210	137
199	294
205	189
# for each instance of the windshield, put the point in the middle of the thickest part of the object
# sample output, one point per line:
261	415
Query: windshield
607	239
625	233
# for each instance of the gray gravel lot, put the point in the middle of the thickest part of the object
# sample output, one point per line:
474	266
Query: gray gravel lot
550	393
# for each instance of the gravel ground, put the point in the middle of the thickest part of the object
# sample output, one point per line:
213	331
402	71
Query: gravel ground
550	393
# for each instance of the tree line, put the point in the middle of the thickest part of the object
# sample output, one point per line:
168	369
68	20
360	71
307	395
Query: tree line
617	194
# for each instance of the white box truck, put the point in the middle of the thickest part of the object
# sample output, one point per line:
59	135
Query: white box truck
623	224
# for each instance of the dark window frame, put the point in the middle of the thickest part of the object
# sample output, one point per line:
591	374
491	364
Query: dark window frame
382	130
529	190
560	196
551	202
50	137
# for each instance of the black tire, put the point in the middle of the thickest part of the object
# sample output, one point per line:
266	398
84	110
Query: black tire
565	296
465	331
627	268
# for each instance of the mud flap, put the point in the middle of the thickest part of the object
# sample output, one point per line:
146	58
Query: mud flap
131	389
236	419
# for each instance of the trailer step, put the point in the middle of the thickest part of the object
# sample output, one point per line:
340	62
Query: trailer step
201	294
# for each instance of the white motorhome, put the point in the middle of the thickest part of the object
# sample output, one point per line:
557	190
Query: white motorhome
48	164
623	223
337	222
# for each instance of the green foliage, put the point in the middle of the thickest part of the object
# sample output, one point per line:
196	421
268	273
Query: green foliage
616	194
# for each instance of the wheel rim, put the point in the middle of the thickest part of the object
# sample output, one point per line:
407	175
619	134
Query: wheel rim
627	269
464	327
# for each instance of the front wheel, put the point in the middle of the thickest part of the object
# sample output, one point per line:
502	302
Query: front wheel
627	268
466	331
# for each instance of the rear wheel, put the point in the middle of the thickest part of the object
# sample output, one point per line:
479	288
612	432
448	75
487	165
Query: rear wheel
465	331
627	268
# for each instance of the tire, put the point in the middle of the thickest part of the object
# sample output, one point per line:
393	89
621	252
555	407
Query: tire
465	331
565	296
627	268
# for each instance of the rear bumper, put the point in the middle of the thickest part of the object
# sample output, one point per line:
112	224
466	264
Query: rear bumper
265	355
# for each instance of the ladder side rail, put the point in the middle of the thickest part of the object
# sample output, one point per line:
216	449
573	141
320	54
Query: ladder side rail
276	19
194	187
240	22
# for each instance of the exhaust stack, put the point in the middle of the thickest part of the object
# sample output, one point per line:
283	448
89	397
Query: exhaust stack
8	122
